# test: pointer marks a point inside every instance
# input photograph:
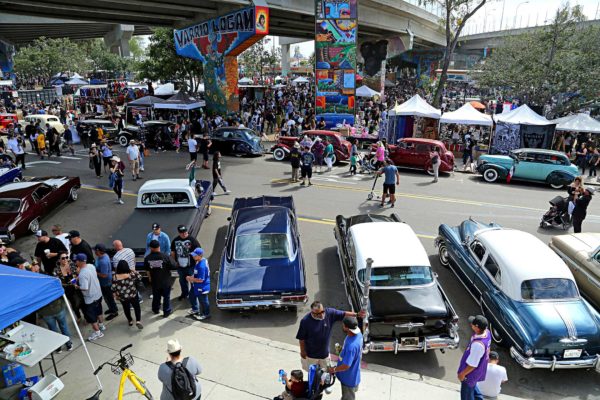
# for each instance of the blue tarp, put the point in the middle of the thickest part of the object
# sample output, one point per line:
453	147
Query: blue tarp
23	292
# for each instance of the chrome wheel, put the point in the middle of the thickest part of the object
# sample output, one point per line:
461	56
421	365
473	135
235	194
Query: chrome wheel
279	154
496	336
557	185
73	194
34	226
490	175
123	140
443	254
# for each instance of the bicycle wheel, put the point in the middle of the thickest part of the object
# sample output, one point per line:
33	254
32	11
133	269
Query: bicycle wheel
140	386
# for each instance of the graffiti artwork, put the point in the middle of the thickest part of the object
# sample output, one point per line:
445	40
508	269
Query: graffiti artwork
336	30
217	43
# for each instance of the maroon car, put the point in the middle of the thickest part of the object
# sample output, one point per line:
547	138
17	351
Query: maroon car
342	147
24	204
416	153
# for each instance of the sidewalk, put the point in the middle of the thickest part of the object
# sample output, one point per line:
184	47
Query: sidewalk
236	366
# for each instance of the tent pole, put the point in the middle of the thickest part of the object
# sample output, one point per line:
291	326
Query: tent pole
81	338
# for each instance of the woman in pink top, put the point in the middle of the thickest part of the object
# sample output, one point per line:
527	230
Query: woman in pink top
380	155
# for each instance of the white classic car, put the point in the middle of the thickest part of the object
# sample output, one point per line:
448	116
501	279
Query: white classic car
581	253
43	119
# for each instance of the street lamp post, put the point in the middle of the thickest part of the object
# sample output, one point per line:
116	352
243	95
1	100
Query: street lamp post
517	13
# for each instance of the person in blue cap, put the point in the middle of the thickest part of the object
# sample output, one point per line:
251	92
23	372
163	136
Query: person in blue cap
201	283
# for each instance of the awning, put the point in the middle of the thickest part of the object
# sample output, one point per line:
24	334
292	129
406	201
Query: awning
146	101
181	101
417	107
245	81
466	115
579	123
365	91
522	115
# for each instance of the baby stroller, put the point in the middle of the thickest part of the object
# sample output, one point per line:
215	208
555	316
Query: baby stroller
558	215
366	165
319	381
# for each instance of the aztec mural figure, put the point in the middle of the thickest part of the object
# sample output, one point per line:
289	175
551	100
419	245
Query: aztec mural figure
217	43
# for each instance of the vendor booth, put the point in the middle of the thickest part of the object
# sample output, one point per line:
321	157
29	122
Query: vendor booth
24	344
454	124
365	91
143	106
182	102
578	123
521	128
413	118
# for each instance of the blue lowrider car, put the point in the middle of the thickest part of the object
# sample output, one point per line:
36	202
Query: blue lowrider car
262	264
534	165
10	174
527	293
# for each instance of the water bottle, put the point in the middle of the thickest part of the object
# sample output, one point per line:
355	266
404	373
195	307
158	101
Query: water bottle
281	375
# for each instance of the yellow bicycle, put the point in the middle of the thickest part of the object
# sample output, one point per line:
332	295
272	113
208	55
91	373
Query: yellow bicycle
121	367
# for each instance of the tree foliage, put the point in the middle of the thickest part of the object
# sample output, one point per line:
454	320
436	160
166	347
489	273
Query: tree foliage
163	63
563	58
99	58
259	58
45	57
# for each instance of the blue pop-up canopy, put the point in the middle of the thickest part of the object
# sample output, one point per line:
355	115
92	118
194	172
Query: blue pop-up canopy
23	292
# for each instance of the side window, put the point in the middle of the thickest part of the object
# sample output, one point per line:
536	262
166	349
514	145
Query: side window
226	134
41	192
237	135
498	277
491	266
478	249
597	256
422	148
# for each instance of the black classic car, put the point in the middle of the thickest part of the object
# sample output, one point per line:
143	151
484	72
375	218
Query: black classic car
163	131
407	309
236	141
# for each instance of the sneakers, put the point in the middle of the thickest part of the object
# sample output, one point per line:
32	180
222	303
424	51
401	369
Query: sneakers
102	327
228	192
95	336
69	346
59	350
121	201
193	312
202	317
139	325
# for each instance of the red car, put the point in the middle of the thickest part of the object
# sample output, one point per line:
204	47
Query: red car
416	153
6	120
24	204
341	147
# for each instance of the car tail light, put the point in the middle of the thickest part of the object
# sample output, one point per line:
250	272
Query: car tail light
294	298
229	301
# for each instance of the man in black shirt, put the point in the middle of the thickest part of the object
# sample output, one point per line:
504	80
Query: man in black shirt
203	147
47	251
181	247
80	246
158	266
580	210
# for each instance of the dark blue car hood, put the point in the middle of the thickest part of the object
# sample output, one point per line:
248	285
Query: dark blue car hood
261	277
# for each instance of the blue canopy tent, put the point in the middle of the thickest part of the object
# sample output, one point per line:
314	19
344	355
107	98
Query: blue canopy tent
24	292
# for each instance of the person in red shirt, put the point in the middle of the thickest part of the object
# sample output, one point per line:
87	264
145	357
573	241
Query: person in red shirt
295	387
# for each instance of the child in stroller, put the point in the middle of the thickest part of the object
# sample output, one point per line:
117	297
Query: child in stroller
558	215
319	380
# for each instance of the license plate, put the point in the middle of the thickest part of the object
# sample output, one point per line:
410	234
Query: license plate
572	353
410	341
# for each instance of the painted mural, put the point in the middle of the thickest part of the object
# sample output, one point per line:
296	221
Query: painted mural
217	43
336	31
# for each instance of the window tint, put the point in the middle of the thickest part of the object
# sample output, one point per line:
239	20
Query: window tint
9	205
157	198
422	148
398	276
218	134
261	246
548	289
478	250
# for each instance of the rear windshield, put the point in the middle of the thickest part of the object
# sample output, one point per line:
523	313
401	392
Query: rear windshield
398	276
158	198
9	205
261	246
548	289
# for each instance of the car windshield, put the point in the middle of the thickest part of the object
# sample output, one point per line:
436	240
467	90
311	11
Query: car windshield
9	205
261	246
548	289
398	276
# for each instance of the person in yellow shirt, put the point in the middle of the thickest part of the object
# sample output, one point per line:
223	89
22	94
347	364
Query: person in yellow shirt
100	133
41	142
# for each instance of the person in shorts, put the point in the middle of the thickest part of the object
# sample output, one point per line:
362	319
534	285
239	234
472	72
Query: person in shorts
307	158
88	283
392	178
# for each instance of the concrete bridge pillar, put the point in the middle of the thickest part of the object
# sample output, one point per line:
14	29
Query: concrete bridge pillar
117	40
285	59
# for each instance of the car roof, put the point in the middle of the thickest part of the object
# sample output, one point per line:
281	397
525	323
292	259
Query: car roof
521	257
102	121
263	219
165	184
540	151
389	244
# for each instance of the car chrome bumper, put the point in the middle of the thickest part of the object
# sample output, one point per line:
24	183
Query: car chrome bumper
424	344
531	362
260	304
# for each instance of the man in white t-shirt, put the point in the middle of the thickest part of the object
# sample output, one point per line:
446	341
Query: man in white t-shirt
193	148
133	154
494	377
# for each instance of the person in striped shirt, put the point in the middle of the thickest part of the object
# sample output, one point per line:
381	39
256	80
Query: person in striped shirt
123	253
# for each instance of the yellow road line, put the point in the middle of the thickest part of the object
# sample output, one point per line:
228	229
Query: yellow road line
106	191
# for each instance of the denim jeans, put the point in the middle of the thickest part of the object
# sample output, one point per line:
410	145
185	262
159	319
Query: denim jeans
202	299
185	285
469	393
109	298
165	295
58	320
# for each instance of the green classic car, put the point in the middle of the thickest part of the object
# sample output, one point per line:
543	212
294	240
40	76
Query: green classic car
534	165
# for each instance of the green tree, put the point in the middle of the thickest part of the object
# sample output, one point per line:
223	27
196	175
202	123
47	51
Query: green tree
99	57
259	58
46	57
560	58
163	63
456	15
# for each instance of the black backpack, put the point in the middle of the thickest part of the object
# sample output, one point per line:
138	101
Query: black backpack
183	383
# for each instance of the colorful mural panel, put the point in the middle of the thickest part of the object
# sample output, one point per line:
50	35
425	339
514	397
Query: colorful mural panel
217	43
336	9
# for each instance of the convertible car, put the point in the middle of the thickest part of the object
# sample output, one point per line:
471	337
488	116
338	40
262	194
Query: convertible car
526	292
534	165
24	204
581	253
407	309
262	264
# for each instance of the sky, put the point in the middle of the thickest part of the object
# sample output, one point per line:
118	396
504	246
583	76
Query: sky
491	14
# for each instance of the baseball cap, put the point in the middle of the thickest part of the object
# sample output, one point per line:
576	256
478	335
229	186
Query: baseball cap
100	247
352	324
197	252
154	244
41	233
73	234
479	321
173	346
494	355
155	226
80	257
181	228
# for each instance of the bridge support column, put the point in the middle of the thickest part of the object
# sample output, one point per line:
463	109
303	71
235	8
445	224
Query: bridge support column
285	59
117	40
374	55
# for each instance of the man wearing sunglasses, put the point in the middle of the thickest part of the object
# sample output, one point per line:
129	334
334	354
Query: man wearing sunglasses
314	333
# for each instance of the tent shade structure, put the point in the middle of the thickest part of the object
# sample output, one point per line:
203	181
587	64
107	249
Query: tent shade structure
181	101
246	80
300	79
24	292
477	105
76	81
168	89
466	115
523	115
365	91
579	123
417	107
146	101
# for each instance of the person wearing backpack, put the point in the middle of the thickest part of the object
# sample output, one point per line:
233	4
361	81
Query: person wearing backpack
178	375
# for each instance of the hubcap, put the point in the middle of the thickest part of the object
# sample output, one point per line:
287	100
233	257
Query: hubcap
443	254
74	194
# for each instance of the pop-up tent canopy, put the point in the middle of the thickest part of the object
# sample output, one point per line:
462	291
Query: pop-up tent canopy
181	101
578	123
365	91
76	75
300	79
168	89
466	115
245	81
416	106
520	128
76	81
401	121
523	115
146	101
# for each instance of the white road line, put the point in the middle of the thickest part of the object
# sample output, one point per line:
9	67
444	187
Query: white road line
70	158
41	162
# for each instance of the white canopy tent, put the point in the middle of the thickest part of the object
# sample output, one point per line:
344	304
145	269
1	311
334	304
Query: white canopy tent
245	81
466	115
76	75
578	123
365	91
76	81
168	89
523	115
278	86
300	79
417	107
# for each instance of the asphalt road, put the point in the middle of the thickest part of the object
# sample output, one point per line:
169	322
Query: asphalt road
420	203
